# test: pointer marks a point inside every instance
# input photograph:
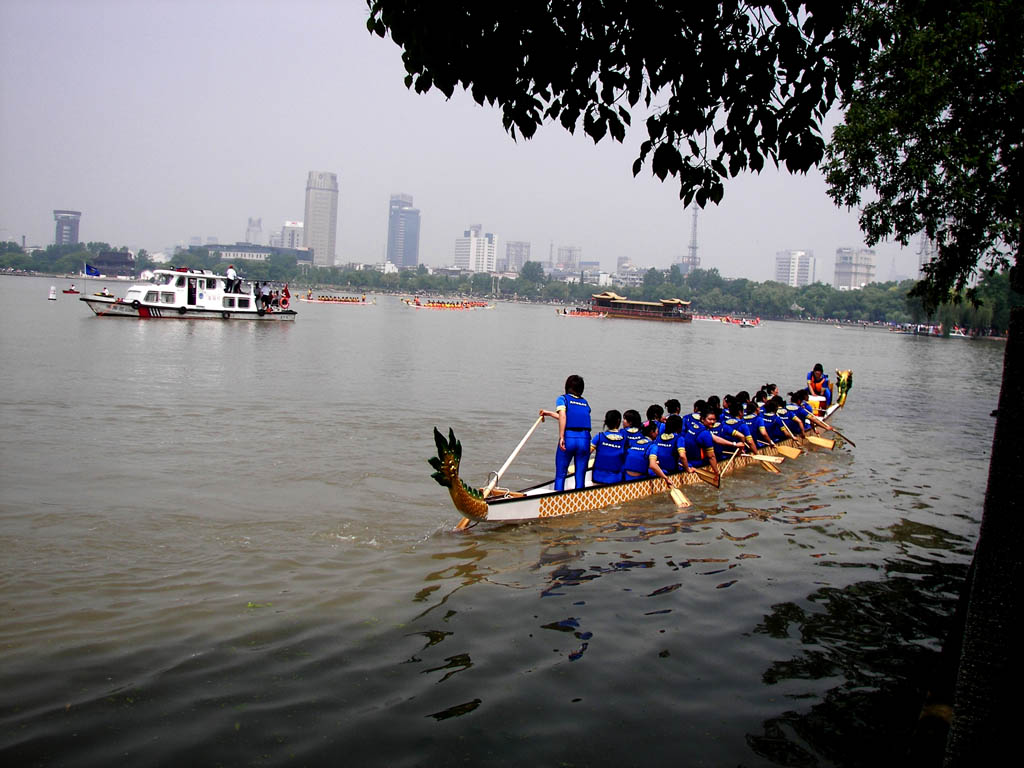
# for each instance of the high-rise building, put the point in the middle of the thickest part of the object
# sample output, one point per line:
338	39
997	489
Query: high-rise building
254	231
569	257
517	253
403	232
926	253
795	268
292	234
321	221
67	227
854	268
476	250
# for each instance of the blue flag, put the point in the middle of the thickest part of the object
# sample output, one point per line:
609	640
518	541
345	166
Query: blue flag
91	270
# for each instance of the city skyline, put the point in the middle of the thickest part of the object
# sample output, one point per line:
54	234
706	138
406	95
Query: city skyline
87	150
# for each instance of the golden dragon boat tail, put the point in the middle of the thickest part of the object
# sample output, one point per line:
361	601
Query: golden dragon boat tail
468	500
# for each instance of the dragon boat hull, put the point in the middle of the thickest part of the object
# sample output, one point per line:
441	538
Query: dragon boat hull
543	501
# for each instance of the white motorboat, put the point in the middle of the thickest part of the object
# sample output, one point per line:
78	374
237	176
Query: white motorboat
191	293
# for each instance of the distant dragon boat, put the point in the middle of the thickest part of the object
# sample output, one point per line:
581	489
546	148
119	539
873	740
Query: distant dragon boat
580	312
502	505
666	310
447	304
348	301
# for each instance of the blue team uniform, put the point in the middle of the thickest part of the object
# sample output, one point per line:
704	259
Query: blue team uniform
773	424
577	440
698	445
636	458
609	456
725	433
666	449
632	434
792	418
754	423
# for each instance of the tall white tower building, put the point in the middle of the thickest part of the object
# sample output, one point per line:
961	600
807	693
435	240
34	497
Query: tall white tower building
320	228
293	234
855	268
795	268
476	250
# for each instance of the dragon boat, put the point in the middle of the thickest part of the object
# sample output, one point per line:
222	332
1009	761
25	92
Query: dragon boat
502	505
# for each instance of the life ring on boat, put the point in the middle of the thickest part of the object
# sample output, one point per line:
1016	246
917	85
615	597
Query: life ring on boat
285	303
182	309
225	315
261	312
135	304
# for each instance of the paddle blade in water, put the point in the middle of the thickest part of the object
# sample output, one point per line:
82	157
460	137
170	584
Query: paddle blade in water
822	442
678	497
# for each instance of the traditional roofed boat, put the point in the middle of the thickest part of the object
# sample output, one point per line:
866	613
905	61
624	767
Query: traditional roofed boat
666	310
502	505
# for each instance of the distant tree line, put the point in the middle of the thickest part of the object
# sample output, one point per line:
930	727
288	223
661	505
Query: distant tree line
708	291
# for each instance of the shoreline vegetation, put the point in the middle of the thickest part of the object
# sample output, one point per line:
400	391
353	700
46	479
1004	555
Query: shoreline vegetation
876	304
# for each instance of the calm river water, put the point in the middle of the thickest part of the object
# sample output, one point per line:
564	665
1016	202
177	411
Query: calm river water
221	544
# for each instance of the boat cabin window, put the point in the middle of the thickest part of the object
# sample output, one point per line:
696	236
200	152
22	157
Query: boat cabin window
210	284
162	279
151	297
243	303
229	301
180	282
167	297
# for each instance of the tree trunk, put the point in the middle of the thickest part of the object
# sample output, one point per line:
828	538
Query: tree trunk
986	715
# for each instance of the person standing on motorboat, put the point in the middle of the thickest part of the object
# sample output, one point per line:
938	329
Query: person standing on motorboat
232	280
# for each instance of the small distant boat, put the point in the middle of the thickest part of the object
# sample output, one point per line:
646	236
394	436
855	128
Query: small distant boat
53	293
580	312
72	289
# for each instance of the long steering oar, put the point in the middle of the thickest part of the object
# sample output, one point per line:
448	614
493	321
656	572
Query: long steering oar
844	437
497	475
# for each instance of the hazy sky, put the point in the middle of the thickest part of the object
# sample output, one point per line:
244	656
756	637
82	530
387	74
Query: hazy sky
166	119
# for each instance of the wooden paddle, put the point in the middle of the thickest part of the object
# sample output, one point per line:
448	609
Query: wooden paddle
497	476
766	457
768	467
823	442
678	497
844	437
708	476
789	451
792	436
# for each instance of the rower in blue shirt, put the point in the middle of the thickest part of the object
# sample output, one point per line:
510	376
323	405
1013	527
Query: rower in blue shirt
664	456
609	449
637	462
